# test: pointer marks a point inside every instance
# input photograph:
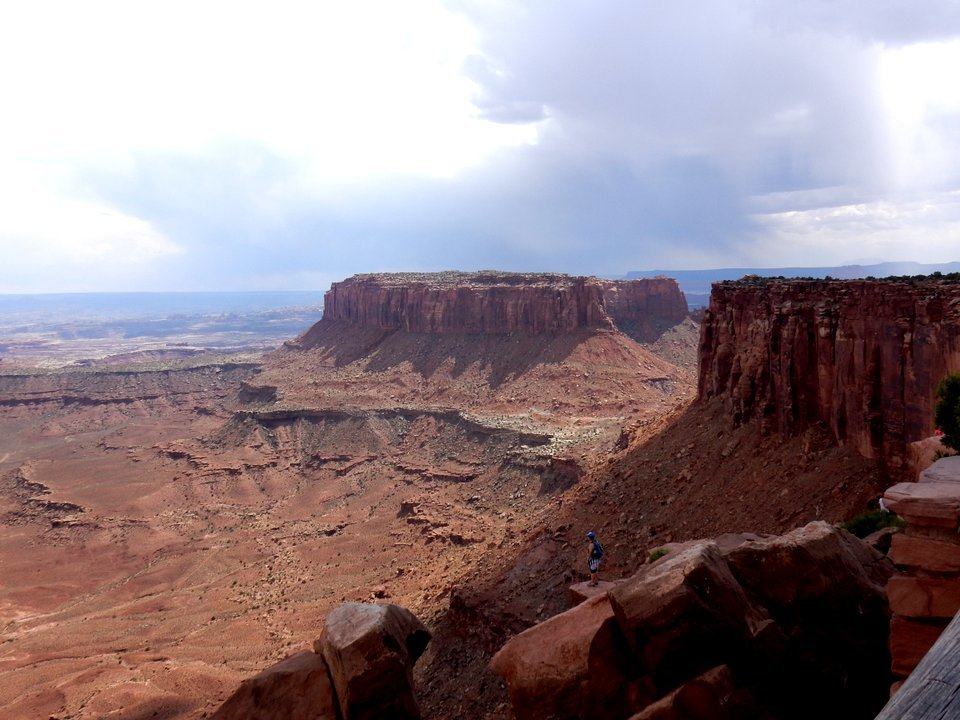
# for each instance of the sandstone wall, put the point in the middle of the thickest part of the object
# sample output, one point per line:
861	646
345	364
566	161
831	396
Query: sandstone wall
926	595
863	357
644	308
501	303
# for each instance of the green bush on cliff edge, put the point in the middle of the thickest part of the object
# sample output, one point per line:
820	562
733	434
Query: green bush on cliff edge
869	522
947	412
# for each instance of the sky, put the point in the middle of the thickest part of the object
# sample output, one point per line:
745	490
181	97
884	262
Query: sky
211	145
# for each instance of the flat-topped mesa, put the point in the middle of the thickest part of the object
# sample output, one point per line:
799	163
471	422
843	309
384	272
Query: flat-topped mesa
863	357
497	303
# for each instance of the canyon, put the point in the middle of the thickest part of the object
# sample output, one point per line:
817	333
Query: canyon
442	442
175	525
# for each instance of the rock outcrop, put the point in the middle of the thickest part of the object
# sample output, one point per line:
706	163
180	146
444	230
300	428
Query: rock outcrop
496	303
296	688
927	595
782	627
370	650
861	357
360	669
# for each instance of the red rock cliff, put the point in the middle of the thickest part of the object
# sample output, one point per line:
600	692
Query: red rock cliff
644	308
863	357
500	303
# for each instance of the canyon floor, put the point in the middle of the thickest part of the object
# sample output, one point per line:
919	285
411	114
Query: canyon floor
168	529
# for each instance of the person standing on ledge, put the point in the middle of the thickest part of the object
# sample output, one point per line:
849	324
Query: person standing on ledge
596	555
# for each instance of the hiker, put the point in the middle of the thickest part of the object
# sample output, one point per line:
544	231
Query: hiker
596	555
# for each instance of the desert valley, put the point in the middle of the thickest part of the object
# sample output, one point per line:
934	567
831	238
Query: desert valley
442	443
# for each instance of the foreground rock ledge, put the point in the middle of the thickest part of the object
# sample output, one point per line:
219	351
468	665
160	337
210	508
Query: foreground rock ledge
360	670
785	627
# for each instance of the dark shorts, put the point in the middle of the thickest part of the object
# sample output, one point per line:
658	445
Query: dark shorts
594	564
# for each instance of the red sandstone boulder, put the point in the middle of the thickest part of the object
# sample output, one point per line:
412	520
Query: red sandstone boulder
813	564
686	614
370	650
921	454
783	615
825	590
925	553
930	503
711	696
881	540
569	666
724	542
297	688
923	597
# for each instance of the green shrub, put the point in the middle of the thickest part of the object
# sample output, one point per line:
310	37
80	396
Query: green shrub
657	554
947	412
871	521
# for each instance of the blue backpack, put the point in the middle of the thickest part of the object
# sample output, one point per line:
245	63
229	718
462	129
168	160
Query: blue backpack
597	551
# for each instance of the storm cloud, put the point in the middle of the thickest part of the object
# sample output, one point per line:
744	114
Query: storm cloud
615	136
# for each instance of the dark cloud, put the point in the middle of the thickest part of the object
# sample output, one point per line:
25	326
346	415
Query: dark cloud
662	123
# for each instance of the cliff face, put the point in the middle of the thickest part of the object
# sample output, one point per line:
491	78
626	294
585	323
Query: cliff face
862	357
500	303
644	308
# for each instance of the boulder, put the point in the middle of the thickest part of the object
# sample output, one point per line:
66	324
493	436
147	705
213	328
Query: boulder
370	650
943	470
880	540
584	590
795	625
925	553
817	565
929	503
711	696
825	589
724	542
297	688
921	454
924	597
685	614
569	666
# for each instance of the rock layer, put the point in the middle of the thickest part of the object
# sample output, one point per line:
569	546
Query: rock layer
501	303
862	357
927	595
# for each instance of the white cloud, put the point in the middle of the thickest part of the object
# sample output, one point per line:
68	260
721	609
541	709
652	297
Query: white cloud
348	89
53	242
923	229
240	144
